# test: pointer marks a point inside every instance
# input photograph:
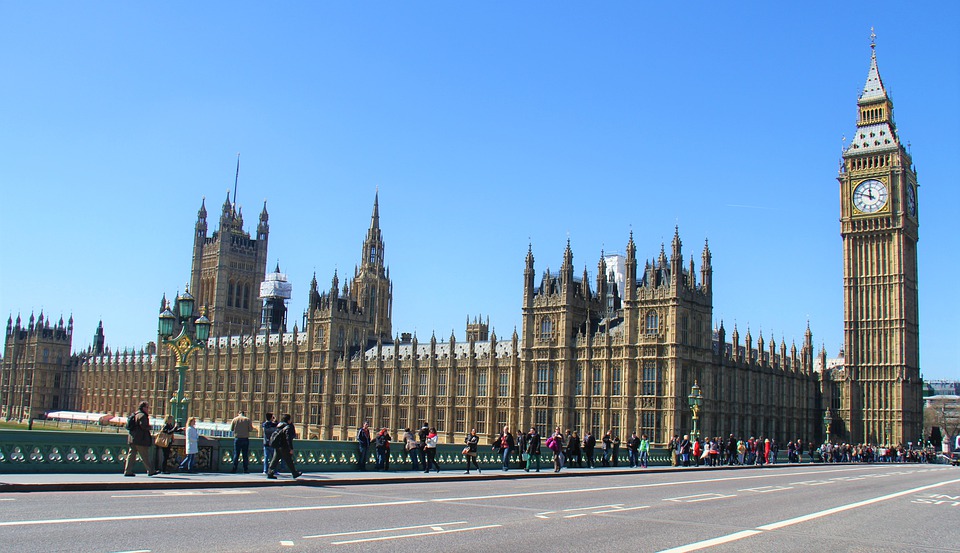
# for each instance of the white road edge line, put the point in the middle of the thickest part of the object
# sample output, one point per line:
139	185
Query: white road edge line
356	532
421	534
784	523
128	517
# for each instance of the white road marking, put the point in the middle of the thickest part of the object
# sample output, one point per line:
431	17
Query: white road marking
436	528
797	520
766	489
588	508
419	535
136	551
182	493
773	474
286	543
621	509
7	499
699	497
576	515
357	532
128	517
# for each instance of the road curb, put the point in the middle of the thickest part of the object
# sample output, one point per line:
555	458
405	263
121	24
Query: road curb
149	483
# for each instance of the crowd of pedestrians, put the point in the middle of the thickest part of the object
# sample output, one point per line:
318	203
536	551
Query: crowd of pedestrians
522	450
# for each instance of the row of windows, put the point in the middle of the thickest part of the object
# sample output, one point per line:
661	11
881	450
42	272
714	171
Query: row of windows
547	328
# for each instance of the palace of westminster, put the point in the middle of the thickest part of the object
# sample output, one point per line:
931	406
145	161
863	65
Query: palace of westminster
620	351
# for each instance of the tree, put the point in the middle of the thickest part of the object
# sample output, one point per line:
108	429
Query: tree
943	413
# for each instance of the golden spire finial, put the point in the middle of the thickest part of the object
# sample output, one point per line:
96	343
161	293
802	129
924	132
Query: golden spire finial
873	39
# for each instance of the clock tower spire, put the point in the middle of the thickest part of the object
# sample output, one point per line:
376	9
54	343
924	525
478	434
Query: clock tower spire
881	388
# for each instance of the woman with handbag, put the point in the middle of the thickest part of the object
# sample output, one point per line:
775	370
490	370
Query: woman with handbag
470	451
164	443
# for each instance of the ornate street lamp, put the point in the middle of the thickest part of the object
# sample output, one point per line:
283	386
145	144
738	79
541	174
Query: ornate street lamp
827	419
193	335
696	401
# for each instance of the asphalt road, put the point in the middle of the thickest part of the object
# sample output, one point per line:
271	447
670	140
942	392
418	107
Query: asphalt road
887	508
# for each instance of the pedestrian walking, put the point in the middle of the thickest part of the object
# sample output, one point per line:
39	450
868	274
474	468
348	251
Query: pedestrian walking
242	427
589	444
267	428
607	447
283	447
575	452
363	446
558	455
504	445
191	446
633	450
422	444
470	451
430	446
139	440
383	449
644	450
411	448
164	443
531	449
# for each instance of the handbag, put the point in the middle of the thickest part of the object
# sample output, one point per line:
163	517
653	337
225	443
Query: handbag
525	456
466	451
163	440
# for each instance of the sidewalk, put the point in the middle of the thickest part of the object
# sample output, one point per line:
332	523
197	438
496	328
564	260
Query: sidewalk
19	483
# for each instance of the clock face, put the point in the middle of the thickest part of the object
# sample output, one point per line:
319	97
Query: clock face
911	201
870	196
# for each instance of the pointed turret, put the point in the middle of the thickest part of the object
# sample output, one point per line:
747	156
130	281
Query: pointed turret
630	294
706	269
263	229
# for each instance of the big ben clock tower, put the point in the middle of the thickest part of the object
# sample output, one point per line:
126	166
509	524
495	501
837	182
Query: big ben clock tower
881	398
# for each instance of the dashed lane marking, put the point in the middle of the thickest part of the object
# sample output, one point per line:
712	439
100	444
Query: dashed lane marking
699	497
766	489
417	535
286	543
378	530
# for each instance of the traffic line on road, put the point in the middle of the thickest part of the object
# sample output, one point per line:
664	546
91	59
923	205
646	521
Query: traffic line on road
639	486
357	532
797	520
699	497
766	489
417	535
273	510
621	509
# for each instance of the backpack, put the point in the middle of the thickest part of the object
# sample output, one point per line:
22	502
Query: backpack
279	438
132	425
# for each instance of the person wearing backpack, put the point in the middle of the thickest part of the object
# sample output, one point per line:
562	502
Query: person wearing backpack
282	444
139	440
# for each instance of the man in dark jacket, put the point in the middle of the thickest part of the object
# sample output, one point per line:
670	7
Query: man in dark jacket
363	446
140	441
283	447
589	443
633	450
421	444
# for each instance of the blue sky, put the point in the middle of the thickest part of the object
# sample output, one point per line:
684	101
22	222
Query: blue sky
486	127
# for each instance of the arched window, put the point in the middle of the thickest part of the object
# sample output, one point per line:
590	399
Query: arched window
653	322
340	338
546	329
230	295
246	296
